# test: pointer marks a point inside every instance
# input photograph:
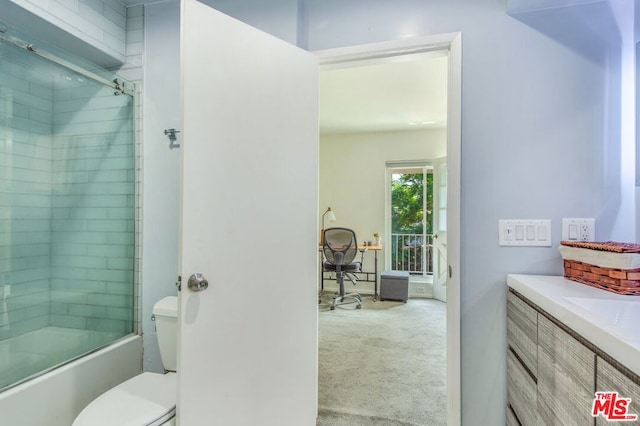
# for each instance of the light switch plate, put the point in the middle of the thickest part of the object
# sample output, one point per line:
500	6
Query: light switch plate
579	229
524	232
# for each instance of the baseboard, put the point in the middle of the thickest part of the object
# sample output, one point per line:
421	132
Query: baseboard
427	294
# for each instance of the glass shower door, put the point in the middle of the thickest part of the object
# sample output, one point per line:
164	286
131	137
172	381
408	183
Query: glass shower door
67	214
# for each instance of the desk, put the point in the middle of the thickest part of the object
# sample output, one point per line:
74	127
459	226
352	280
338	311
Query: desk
371	276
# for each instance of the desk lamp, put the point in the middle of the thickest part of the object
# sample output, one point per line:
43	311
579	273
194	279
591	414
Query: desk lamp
331	218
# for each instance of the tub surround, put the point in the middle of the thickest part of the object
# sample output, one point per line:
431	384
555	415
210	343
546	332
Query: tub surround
607	320
68	389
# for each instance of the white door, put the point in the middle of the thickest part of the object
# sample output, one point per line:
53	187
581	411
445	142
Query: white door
248	343
440	265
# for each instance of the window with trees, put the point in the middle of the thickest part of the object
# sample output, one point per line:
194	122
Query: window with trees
411	218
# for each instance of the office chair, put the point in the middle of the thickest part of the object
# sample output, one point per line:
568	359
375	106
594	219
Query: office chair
340	248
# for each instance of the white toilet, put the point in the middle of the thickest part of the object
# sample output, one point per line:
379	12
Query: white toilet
148	399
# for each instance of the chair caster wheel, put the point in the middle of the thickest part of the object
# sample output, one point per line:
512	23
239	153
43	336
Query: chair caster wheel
333	308
358	306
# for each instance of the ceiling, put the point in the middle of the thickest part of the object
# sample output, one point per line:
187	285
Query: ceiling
408	93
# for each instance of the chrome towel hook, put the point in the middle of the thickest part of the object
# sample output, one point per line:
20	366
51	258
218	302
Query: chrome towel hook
171	133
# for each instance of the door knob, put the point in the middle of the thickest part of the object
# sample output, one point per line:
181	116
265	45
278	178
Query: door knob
197	282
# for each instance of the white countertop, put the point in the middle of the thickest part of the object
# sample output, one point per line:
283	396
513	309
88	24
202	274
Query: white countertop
608	320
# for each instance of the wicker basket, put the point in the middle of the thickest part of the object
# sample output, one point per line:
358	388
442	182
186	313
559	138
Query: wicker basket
609	266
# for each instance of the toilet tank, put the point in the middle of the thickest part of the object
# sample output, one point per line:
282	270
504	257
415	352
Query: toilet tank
165	313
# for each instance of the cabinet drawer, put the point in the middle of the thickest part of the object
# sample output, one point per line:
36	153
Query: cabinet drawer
566	372
511	418
521	392
522	331
609	378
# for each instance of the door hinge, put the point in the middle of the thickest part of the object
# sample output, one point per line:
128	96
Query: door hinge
450	271
179	283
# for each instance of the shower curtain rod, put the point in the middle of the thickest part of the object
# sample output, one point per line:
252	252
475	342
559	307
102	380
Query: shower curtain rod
116	84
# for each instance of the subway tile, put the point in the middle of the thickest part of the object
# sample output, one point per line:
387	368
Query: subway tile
124	314
119	213
136	48
117	5
125	263
23	200
38	262
66	249
120	238
18	162
81	262
17	110
86	11
121	175
77	289
30	150
11	211
58	308
120	288
114	113
29	275
69	225
116	39
135	12
111	250
13	264
114	300
13	80
28	238
68	273
135	36
69	321
99	128
135	23
21	225
22	250
109	325
72	5
96	5
109	275
43	92
107	226
88	103
66	176
75	20
89	311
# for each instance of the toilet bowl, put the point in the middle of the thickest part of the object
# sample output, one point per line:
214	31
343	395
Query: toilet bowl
148	399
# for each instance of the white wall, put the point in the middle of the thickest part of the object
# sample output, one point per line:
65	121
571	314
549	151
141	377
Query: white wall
161	170
537	126
623	11
352	177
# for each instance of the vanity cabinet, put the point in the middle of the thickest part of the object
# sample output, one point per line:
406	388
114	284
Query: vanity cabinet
609	378
566	371
521	392
553	373
522	332
522	361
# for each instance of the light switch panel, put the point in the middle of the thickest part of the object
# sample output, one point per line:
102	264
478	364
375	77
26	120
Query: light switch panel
524	232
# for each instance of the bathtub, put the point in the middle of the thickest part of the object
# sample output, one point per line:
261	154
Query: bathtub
56	398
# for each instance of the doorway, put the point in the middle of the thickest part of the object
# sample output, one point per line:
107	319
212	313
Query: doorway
407	50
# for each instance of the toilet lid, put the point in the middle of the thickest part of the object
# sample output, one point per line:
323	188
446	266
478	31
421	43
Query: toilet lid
140	401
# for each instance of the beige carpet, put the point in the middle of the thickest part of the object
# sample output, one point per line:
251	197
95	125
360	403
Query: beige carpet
384	364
